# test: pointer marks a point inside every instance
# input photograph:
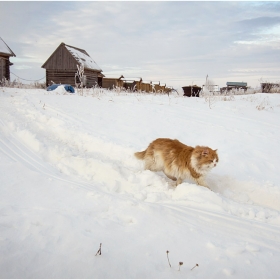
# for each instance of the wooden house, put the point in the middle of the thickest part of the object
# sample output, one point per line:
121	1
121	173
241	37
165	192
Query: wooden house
146	86
234	85
5	54
168	89
132	84
193	90
100	79
162	88
61	66
156	86
111	82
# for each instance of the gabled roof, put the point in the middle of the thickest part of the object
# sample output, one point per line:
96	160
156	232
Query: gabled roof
80	55
4	48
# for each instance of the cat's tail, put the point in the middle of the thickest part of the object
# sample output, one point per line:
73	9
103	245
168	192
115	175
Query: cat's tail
140	155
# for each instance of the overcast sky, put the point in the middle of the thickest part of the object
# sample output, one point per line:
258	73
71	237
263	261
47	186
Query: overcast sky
177	43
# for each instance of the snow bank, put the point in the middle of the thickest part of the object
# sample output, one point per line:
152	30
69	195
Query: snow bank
69	181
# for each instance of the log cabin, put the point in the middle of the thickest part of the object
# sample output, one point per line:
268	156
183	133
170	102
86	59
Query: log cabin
5	54
61	67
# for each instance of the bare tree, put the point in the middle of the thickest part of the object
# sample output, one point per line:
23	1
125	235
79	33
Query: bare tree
79	77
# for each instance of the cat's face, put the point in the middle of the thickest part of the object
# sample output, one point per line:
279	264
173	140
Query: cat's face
204	158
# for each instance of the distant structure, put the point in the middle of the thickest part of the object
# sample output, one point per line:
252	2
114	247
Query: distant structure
193	90
111	81
132	83
156	86
270	87
5	54
61	67
146	86
234	85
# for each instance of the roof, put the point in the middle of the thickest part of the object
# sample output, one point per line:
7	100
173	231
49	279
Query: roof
4	48
156	83
133	79
240	84
193	86
115	77
83	57
80	55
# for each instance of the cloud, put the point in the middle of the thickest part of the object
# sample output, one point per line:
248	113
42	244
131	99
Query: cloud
170	41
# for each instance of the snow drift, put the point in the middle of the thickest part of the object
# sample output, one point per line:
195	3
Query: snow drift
70	181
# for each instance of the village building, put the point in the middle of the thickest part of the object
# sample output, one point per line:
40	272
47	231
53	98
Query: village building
162	88
168	89
5	54
192	90
133	84
234	85
156	86
146	86
62	66
112	81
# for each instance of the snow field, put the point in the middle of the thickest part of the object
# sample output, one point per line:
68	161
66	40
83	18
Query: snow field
70	181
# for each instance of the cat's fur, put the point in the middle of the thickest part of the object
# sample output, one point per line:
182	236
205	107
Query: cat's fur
179	161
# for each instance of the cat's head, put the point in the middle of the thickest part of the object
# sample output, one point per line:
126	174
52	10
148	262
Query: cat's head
204	159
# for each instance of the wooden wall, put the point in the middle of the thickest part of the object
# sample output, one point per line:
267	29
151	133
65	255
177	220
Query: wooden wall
61	59
91	78
68	77
110	83
147	87
131	85
4	68
191	91
61	68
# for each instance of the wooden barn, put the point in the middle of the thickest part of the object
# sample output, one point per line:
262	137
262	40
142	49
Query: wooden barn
5	54
234	85
146	86
61	66
133	84
111	82
100	79
156	86
162	88
168	89
193	90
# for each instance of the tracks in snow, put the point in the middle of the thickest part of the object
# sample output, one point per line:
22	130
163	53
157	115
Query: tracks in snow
70	152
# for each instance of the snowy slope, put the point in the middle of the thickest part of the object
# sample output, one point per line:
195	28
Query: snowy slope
69	181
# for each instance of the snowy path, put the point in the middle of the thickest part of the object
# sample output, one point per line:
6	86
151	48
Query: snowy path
70	181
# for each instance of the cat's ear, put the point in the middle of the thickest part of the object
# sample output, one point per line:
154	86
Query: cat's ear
205	152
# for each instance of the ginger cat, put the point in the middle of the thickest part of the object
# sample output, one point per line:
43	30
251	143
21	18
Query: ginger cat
179	161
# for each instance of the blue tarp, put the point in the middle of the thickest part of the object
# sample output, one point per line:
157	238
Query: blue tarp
68	88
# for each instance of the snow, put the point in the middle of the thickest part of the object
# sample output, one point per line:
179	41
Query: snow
69	181
84	59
